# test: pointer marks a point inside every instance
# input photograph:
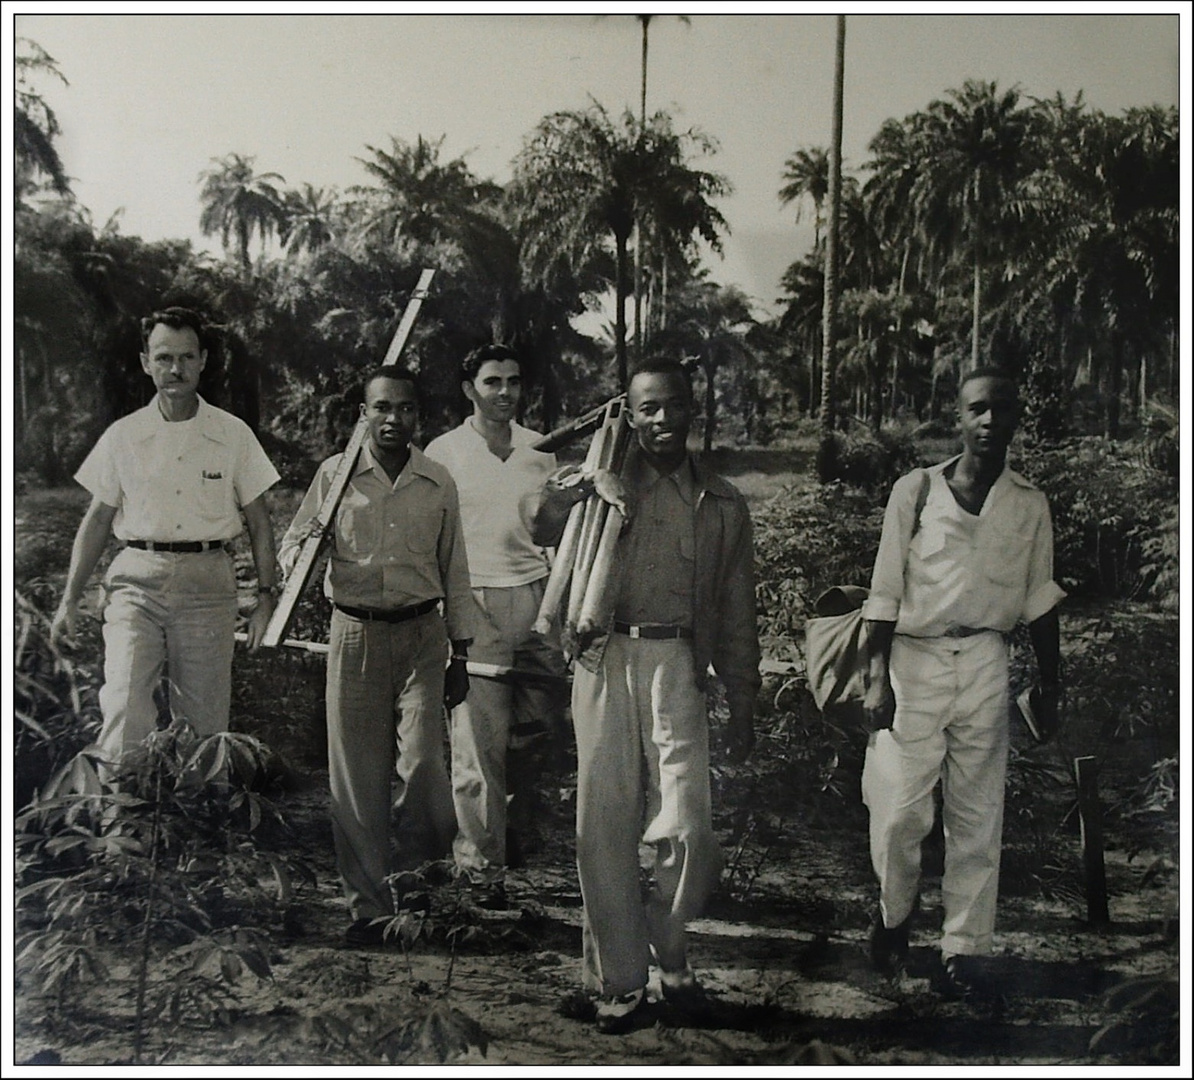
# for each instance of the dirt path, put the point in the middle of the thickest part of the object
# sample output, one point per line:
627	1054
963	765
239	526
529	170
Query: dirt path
787	967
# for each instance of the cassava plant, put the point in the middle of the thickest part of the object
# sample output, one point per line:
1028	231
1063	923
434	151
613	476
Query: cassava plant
164	860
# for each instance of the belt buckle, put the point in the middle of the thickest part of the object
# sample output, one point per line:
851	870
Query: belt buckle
636	632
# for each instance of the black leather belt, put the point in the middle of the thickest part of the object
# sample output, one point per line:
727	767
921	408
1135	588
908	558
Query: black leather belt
652	631
965	631
394	615
176	546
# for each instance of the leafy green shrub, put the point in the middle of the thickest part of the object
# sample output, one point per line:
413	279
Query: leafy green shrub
865	459
172	861
55	703
807	539
1114	521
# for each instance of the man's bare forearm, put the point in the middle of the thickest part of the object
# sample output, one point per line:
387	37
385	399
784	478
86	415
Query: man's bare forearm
90	541
1045	634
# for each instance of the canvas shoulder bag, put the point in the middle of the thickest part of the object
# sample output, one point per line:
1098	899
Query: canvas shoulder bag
835	638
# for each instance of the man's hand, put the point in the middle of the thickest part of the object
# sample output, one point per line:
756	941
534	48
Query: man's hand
878	706
610	487
259	620
62	626
581	483
456	682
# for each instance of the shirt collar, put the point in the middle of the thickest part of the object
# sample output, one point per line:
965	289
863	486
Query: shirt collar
683	478
148	421
520	437
418	464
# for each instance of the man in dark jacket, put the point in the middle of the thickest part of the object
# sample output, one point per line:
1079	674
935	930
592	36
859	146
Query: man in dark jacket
683	599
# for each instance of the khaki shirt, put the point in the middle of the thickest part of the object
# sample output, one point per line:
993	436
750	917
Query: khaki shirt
177	481
658	549
984	571
394	544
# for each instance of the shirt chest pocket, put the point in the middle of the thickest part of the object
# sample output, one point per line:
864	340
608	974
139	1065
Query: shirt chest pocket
216	494
1004	553
422	533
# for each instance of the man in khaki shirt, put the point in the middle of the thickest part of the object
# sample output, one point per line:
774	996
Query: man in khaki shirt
171	481
684	600
397	556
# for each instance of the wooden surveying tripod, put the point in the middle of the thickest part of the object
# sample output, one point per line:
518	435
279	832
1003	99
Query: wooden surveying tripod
298	577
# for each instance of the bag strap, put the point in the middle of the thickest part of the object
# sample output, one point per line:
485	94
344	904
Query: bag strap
922	496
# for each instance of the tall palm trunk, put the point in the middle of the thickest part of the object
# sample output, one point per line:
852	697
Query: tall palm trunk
621	241
826	464
978	277
638	221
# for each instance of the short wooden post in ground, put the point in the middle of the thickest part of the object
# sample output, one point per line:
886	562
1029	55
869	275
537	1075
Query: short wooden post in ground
1090	814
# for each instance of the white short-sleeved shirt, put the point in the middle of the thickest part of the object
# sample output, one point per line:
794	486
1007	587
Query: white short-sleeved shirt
984	571
492	494
177	481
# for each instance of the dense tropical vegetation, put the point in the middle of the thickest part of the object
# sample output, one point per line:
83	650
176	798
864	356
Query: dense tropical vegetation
1041	232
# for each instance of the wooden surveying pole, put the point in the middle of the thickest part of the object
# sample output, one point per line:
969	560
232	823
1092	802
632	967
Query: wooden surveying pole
300	573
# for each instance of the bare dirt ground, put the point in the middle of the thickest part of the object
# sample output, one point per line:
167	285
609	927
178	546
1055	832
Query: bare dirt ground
782	949
783	952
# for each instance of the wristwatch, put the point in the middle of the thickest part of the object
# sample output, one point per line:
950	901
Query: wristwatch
269	590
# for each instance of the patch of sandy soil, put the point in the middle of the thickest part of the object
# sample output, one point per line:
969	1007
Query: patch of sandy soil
784	961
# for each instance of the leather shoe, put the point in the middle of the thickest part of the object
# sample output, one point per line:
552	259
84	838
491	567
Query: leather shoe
615	1014
957	977
366	932
682	991
889	945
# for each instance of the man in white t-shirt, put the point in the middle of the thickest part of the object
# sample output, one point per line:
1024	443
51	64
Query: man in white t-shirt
498	476
171	481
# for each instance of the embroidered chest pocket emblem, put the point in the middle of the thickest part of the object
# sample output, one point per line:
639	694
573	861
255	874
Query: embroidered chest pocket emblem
212	475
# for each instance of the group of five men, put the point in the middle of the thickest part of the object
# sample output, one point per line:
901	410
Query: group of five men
442	556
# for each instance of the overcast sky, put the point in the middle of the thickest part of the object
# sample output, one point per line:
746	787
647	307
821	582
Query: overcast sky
153	99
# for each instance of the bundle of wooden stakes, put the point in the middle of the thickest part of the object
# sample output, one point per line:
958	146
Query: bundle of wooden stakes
585	556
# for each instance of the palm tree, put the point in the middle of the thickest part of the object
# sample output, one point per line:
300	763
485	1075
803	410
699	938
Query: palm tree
825	458
978	152
645	23
711	323
311	218
1103	251
806	176
804	284
421	198
35	126
238	202
580	182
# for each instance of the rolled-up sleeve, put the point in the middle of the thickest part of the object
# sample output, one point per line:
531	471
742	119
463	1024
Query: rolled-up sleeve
296	534
887	577
1043	593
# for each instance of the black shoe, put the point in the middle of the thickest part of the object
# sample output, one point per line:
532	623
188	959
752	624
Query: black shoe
957	977
417	901
490	895
616	1015
687	996
889	946
365	932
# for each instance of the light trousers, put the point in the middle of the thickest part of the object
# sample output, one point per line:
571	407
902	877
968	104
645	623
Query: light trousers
499	729
385	715
951	723
642	747
172	610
